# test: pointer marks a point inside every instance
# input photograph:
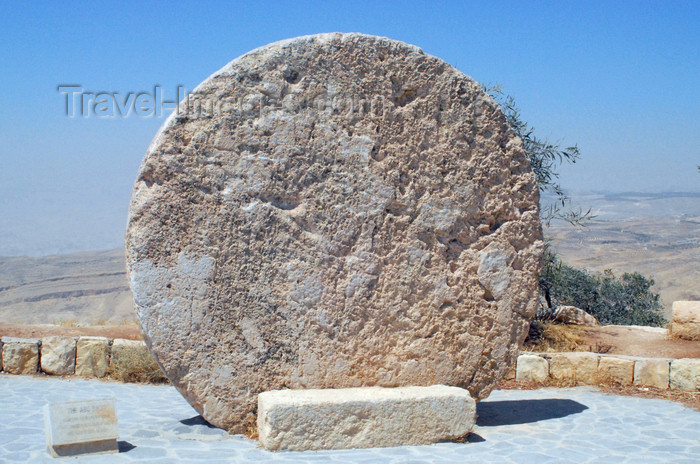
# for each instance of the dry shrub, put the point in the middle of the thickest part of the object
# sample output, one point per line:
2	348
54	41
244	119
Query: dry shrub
566	381
135	366
549	337
251	426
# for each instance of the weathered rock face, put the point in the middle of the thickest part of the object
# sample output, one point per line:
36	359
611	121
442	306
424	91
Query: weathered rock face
531	368
350	212
652	372
20	355
575	316
92	356
616	370
58	355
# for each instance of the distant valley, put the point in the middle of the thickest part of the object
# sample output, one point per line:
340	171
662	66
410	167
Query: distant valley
657	235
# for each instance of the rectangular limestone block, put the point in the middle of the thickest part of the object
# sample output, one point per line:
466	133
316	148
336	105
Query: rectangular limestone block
579	368
652	372
686	320
20	355
81	427
58	355
685	374
531	368
122	348
615	370
363	417
92	356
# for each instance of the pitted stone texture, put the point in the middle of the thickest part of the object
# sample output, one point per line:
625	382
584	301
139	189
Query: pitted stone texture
92	358
363	417
652	372
58	355
353	212
20	355
531	368
685	374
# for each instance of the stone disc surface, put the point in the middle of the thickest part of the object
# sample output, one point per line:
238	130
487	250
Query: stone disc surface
333	211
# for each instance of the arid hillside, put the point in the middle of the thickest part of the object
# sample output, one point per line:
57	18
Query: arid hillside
657	235
73	289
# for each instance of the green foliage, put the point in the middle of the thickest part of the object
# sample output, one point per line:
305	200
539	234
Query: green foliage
545	157
624	300
627	300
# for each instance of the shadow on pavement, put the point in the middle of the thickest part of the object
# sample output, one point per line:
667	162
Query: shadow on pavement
125	446
197	420
492	413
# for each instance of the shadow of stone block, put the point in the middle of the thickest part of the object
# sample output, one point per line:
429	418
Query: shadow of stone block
494	413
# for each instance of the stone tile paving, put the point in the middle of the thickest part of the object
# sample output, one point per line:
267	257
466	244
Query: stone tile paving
550	425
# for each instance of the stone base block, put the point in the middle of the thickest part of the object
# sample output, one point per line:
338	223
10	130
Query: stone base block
531	368
652	372
616	370
579	368
685	374
58	355
20	355
363	417
92	356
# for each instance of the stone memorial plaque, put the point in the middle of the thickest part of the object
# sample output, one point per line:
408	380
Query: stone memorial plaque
332	211
80	427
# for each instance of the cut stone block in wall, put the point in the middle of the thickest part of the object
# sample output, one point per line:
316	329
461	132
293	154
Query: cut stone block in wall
122	348
652	372
580	368
685	374
58	355
686	320
363	417
616	370
92	357
531	368
20	355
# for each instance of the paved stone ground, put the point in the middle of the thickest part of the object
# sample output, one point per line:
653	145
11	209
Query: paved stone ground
156	425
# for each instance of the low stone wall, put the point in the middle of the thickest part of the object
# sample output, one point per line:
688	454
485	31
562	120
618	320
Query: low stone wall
92	357
583	368
83	356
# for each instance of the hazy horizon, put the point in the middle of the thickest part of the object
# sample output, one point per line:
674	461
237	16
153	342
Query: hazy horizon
618	79
66	230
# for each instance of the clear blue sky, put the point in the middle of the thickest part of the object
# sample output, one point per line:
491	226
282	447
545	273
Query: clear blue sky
621	79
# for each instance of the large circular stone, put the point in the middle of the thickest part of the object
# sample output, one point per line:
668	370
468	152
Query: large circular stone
331	211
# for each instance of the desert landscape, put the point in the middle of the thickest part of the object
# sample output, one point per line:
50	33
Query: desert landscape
657	235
